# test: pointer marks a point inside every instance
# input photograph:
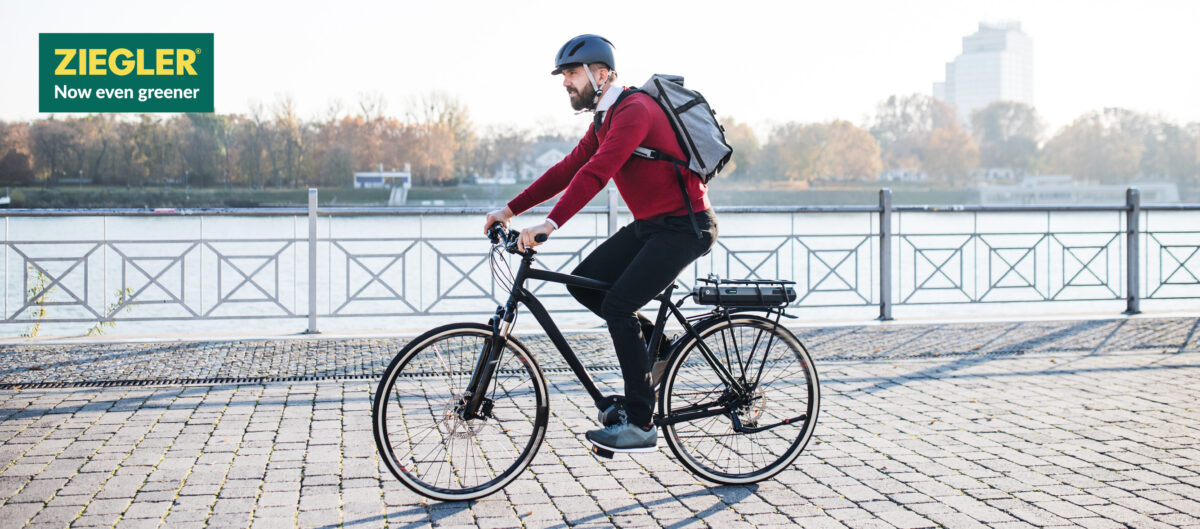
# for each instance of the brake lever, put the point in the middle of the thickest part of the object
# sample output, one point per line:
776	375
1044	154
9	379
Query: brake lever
510	242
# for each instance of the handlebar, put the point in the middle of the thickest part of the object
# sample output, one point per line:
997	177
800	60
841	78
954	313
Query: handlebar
498	235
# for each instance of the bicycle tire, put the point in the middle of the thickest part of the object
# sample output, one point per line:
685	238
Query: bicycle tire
427	446
788	387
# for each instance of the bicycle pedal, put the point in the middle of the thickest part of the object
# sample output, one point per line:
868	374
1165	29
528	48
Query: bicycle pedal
602	452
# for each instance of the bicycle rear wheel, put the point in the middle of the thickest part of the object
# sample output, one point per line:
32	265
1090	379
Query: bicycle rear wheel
777	408
422	437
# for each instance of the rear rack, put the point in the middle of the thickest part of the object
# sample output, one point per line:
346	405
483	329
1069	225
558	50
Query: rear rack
744	293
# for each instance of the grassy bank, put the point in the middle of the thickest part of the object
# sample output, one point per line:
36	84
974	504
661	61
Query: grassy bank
723	193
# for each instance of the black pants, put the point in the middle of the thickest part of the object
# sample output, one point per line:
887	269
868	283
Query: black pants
640	261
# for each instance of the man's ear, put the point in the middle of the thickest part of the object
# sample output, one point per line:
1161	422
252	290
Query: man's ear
607	74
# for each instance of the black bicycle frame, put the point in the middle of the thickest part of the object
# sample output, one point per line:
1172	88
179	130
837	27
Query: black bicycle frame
486	366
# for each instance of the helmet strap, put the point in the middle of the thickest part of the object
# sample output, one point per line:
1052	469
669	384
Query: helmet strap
597	88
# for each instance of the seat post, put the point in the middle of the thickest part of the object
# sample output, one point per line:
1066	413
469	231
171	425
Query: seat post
660	322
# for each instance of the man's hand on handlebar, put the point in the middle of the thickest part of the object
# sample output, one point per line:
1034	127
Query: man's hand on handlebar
502	215
512	239
534	235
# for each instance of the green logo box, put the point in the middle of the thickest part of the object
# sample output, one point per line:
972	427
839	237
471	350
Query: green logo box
125	72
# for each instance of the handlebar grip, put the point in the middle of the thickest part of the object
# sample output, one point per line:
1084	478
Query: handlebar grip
495	231
541	237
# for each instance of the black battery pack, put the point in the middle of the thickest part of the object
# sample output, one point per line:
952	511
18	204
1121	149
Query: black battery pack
734	295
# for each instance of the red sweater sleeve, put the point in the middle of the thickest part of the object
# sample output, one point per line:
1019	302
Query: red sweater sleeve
556	178
627	129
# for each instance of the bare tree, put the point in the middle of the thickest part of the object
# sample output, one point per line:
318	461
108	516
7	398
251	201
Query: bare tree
289	135
447	111
903	126
746	149
951	154
1008	134
1096	146
52	143
506	145
372	105
16	164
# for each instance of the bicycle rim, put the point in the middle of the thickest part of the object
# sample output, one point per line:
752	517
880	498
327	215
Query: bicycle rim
426	444
787	388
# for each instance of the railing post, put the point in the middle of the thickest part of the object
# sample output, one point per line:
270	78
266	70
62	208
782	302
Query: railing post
612	211
885	254
1133	205
312	262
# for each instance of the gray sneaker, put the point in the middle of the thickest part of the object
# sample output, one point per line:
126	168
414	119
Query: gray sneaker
624	437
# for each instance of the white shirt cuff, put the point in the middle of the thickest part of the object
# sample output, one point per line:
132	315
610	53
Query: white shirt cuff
552	223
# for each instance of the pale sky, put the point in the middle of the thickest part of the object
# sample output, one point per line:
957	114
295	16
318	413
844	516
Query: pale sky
764	63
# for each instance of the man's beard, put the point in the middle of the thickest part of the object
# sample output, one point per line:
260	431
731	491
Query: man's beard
583	100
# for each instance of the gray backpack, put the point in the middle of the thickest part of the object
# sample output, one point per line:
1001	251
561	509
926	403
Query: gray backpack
700	136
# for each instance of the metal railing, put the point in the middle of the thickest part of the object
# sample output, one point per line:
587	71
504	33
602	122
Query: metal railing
115	265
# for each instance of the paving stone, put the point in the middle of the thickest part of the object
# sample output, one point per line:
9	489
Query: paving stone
147	509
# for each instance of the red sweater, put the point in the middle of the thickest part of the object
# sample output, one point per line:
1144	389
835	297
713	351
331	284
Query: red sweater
649	187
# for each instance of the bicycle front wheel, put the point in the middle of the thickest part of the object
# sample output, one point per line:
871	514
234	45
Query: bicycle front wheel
420	430
775	399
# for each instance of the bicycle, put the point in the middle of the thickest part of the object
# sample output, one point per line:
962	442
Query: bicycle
461	410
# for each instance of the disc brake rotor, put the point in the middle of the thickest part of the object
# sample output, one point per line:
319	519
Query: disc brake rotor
452	425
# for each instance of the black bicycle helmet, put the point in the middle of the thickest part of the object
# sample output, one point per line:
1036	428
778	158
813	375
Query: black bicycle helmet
584	49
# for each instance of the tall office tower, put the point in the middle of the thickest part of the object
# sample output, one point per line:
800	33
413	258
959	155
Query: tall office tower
996	64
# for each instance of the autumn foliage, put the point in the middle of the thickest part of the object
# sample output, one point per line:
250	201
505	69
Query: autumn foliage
273	147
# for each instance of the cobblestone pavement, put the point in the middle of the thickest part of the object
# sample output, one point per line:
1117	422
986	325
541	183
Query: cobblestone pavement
1050	424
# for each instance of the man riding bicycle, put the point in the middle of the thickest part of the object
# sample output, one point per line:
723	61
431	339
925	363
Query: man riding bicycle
643	257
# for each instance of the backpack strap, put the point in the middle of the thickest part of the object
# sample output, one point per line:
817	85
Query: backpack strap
654	154
687	200
597	121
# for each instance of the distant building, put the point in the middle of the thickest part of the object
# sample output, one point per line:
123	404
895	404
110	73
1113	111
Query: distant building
377	179
541	156
398	181
545	154
495	180
996	64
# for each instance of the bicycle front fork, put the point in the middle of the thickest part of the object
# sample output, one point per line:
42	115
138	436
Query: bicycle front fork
474	404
